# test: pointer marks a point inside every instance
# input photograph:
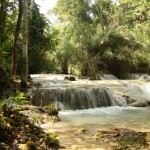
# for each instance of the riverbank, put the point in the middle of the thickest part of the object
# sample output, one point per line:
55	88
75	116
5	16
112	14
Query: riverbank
27	127
21	131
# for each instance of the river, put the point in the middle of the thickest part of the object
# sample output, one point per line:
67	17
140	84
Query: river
78	127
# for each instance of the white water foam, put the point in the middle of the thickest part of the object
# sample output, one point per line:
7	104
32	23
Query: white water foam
105	110
105	118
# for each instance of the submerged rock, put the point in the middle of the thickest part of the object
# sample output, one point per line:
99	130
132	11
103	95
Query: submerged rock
124	138
79	130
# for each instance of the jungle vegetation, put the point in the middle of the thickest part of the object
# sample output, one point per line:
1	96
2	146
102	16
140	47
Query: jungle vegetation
90	37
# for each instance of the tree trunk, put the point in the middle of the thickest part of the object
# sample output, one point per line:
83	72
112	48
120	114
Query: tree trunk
3	15
15	46
64	66
24	71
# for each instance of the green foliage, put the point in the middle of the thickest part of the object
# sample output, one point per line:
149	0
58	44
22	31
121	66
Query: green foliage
101	10
91	37
19	98
36	120
51	109
109	40
4	120
52	140
41	40
78	10
7	22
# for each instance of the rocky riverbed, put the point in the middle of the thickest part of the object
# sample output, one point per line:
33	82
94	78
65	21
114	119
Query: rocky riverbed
76	137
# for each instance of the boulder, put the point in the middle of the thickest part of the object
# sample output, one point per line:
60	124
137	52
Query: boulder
139	104
129	99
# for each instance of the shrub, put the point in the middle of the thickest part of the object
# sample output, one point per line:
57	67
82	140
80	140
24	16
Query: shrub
52	140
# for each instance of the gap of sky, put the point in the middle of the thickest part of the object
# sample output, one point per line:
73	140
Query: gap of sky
46	5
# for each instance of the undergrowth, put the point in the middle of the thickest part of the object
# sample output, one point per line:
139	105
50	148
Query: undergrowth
16	130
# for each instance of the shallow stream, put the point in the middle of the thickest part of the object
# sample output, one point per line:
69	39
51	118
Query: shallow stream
78	127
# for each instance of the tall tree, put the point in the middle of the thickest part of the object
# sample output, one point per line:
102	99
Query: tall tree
15	44
77	15
24	71
101	10
3	14
41	41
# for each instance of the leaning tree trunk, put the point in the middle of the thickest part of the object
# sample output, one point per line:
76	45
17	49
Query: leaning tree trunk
15	46
24	71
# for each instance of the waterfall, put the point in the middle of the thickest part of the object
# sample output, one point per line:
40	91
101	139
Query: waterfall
135	76
136	86
85	94
73	98
120	101
142	92
109	77
145	76
146	88
141	88
104	77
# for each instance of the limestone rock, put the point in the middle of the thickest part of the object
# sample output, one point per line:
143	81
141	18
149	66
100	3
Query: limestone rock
139	104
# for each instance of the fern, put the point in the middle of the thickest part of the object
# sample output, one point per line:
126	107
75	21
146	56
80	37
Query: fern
19	99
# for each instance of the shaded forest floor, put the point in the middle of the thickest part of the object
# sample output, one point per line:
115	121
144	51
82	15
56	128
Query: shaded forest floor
18	131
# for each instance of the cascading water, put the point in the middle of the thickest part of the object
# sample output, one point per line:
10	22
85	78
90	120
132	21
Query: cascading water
74	98
140	87
135	76
109	77
84	94
146	88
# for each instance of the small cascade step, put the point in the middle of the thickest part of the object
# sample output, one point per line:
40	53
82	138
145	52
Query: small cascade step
74	98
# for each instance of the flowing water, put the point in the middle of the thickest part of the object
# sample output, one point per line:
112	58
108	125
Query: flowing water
83	107
109	117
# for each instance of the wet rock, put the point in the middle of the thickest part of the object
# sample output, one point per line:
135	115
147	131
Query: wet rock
108	134
139	104
123	139
129	99
70	78
148	102
79	130
95	137
37	84
136	103
93	78
82	130
82	77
